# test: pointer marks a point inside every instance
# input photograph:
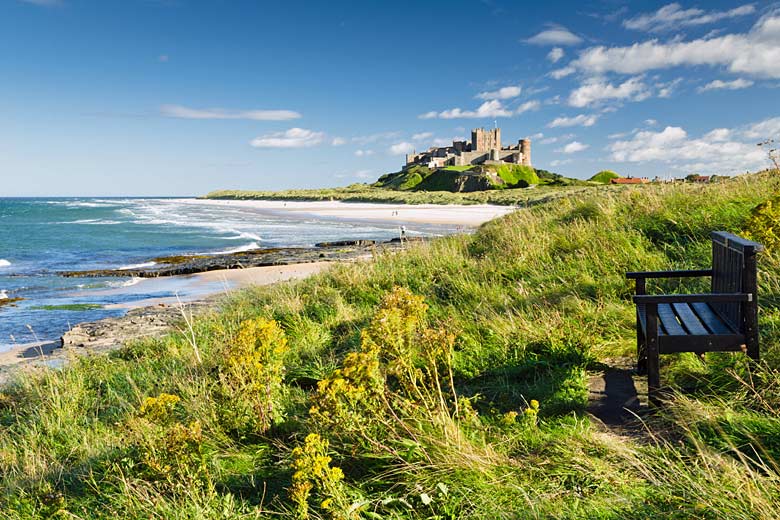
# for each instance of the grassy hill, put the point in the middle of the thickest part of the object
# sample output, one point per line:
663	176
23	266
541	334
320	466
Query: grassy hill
448	381
604	176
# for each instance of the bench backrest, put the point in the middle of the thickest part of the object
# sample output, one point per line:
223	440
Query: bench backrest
734	270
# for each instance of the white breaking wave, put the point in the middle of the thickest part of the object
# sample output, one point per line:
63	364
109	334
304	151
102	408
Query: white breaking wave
94	222
3	295
137	266
125	283
247	247
4	262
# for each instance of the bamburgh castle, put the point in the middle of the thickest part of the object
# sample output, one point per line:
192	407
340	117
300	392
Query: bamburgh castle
484	148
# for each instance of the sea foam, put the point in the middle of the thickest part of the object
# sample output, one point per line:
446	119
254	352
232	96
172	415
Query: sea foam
4	262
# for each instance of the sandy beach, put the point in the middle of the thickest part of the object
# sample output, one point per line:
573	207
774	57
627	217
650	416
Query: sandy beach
456	215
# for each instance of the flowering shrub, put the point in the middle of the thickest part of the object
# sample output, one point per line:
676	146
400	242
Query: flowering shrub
763	225
168	450
160	409
251	377
398	355
531	414
313	473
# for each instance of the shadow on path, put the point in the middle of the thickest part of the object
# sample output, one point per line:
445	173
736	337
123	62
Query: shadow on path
614	400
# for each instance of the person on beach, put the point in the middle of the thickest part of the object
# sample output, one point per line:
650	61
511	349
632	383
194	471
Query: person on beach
403	234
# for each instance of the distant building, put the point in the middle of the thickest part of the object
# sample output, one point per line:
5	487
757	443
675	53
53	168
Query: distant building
484	148
630	180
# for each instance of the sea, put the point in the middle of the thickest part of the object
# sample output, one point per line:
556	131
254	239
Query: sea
40	237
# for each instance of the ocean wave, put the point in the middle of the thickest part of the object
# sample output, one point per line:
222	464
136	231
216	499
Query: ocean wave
3	295
240	249
125	283
4	262
137	266
94	222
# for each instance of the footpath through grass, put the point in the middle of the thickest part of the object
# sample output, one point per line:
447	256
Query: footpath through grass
448	381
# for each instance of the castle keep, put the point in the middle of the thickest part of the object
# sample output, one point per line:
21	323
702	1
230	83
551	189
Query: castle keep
484	148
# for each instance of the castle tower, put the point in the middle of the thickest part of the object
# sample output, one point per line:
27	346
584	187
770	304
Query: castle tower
484	140
525	149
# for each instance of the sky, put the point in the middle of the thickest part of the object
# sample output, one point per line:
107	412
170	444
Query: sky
181	97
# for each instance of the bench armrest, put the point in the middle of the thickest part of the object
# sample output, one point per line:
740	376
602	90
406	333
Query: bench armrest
669	274
693	298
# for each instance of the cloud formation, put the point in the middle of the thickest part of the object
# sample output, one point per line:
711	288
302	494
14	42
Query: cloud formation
555	35
673	16
755	53
555	54
292	138
736	84
182	112
596	90
578	120
721	150
402	148
574	147
502	93
363	153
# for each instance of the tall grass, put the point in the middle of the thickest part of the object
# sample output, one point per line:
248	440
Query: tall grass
437	430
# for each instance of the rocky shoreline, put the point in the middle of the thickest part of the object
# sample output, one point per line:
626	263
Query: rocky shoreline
191	264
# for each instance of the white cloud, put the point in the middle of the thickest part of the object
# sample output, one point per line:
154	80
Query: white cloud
338	141
721	150
292	138
502	93
563	72
528	105
555	54
220	113
673	16
560	162
163	58
755	53
596	90
727	85
422	136
363	153
493	108
574	147
555	35
579	120
363	174
666	89
718	135
537	135
769	128
651	122
402	148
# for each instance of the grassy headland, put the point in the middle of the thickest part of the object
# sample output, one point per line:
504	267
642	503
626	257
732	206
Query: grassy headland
448	381
367	193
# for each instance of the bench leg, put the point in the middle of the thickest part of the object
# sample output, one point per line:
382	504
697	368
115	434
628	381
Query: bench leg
641	349
653	357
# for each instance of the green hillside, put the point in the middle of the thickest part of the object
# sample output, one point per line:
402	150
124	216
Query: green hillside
446	381
604	176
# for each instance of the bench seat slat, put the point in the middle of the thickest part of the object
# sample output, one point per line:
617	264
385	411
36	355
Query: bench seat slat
690	320
711	319
669	320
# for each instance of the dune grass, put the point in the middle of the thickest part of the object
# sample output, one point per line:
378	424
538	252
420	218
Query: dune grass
447	381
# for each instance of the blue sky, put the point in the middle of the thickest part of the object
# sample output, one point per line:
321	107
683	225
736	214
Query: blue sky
177	97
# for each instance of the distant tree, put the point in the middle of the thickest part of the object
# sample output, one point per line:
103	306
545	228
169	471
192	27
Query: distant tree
692	177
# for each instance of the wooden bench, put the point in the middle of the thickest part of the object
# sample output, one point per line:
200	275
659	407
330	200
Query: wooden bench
726	319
